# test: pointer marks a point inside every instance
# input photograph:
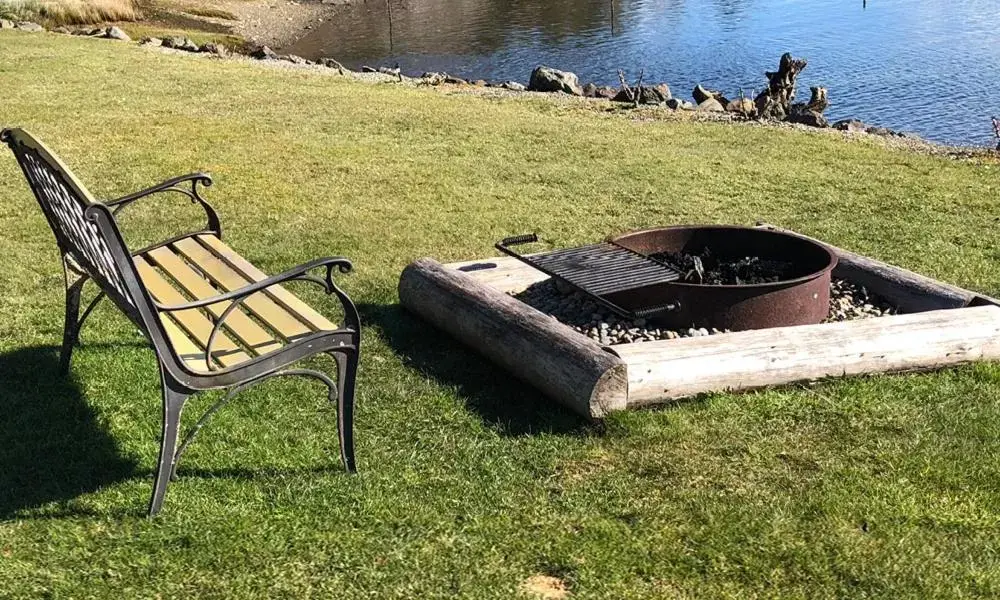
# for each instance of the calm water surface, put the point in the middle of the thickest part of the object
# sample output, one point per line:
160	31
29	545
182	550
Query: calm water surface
928	66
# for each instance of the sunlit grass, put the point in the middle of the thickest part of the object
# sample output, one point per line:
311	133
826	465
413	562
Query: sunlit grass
471	484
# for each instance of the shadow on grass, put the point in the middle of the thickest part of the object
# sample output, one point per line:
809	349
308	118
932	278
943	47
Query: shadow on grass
503	402
52	447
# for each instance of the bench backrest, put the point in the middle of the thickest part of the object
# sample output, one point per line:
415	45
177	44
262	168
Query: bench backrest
65	202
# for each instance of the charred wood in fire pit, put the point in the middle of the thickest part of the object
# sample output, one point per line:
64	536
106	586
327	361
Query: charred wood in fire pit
708	269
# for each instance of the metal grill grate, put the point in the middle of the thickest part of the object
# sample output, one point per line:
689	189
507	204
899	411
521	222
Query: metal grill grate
598	270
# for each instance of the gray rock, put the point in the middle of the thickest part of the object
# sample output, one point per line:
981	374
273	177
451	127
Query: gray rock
883	131
114	33
150	41
852	125
742	106
701	94
213	48
711	105
331	63
808	117
455	80
264	53
513	86
432	78
546	79
5	24
293	58
61	29
590	90
183	43
480	83
664	91
678	104
647	95
29	26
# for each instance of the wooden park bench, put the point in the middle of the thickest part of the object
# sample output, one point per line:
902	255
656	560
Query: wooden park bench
214	320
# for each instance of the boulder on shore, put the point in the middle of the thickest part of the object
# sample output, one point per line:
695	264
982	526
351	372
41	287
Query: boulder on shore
213	48
262	53
546	79
183	43
742	106
701	94
851	125
5	24
512	86
711	105
29	26
647	95
802	114
678	104
114	33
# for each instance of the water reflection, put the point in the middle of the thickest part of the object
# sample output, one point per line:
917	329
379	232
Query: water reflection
897	63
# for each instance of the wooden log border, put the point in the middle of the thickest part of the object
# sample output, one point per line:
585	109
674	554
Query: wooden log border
942	325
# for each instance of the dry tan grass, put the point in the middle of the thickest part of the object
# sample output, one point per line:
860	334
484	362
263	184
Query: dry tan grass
71	12
545	587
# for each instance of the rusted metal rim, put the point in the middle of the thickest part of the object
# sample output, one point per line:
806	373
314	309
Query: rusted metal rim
830	257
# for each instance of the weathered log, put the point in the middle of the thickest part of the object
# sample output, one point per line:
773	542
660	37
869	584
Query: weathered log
775	101
567	366
909	291
667	370
817	100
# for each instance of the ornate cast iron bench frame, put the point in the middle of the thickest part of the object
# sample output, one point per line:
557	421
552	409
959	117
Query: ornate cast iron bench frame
229	327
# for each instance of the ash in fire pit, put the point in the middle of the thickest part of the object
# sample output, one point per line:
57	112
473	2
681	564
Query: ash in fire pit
847	303
708	269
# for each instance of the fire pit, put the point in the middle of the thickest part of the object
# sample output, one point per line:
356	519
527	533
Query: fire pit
931	324
723	277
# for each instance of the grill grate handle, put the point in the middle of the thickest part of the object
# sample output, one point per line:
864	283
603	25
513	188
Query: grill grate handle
517	240
653	310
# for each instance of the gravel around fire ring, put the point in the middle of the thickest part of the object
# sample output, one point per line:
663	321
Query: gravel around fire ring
847	303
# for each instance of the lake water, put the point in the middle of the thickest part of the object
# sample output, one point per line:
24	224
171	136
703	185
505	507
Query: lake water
927	66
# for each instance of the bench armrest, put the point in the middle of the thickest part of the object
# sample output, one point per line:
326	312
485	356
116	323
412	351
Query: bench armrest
298	273
175	185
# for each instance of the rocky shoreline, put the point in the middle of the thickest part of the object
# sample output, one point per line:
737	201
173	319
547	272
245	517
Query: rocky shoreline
848	302
772	107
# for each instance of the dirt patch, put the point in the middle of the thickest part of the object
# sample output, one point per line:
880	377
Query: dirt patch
545	587
277	23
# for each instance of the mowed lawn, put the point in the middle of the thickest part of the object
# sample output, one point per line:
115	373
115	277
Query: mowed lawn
470	484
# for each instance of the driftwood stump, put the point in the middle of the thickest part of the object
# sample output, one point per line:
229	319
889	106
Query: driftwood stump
775	102
811	113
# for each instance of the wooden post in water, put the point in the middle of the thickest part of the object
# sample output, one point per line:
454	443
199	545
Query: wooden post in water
388	8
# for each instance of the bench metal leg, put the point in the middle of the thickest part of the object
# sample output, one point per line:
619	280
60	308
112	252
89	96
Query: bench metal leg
71	327
173	402
347	370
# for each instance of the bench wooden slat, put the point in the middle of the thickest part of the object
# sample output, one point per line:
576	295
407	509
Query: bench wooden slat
188	351
260	304
238	323
299	308
197	326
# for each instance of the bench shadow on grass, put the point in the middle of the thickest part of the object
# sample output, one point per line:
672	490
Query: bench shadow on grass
52	447
504	402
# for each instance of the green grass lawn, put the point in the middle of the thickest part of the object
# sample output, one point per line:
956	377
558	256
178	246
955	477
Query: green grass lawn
470	483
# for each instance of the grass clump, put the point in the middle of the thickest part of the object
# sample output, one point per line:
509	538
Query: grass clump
471	485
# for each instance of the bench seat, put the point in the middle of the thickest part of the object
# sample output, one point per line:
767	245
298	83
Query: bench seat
203	266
